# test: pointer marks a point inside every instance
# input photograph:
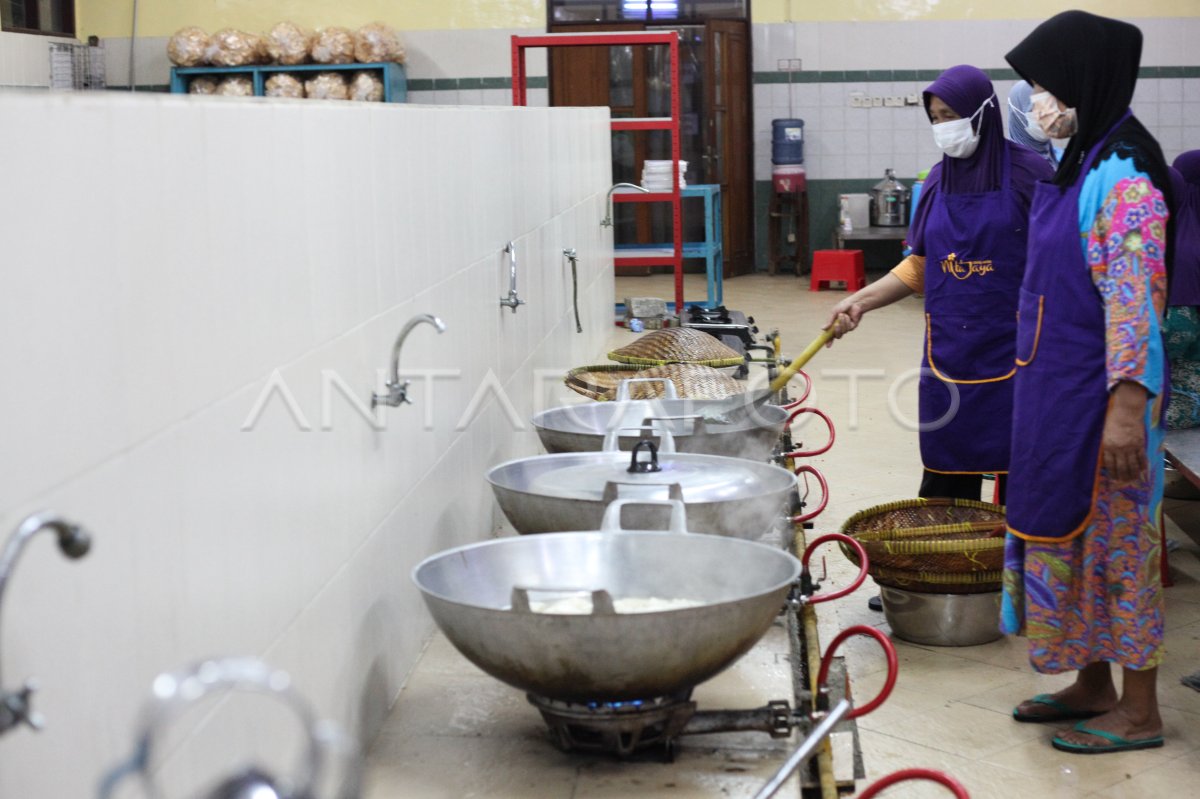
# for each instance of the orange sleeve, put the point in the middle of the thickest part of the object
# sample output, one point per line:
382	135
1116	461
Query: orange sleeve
911	272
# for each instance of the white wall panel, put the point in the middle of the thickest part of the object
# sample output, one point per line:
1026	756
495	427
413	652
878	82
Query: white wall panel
182	252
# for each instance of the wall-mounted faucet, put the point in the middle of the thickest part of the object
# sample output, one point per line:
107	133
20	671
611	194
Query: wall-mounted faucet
608	220
397	390
512	300
74	541
175	692
573	257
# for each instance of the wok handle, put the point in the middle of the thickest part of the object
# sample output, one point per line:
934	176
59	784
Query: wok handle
612	492
612	514
814	346
668	387
665	436
602	601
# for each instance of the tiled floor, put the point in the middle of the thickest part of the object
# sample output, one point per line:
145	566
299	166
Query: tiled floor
950	709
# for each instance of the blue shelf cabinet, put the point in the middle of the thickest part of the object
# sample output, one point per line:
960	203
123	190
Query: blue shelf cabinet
711	249
395	83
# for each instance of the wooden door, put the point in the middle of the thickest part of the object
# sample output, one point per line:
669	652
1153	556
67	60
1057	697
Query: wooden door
728	143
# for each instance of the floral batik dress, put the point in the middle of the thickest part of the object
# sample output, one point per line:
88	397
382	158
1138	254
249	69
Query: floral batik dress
1098	596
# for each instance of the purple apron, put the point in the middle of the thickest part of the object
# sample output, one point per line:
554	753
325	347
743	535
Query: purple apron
975	247
1061	392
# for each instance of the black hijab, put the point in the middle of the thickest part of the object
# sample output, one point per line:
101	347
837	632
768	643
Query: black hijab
1091	64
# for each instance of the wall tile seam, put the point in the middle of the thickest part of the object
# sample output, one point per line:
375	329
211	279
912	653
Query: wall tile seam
897	75
567	320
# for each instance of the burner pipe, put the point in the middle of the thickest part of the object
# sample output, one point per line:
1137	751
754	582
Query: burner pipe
806	750
824	494
806	576
774	718
907	774
888	649
811	452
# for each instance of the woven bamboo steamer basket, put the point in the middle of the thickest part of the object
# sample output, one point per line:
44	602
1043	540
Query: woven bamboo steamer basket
692	381
932	545
677	345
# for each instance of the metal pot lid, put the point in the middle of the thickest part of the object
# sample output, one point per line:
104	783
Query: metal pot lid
642	472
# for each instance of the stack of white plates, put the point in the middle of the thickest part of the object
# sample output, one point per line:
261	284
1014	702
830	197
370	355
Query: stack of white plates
656	175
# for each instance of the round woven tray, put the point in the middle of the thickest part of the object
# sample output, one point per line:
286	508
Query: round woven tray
691	381
677	345
932	545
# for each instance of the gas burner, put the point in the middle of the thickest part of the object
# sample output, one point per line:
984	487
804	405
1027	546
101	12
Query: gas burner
721	323
699	313
618	728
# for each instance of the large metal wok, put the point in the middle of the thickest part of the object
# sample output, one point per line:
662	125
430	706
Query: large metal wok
569	491
752	433
479	596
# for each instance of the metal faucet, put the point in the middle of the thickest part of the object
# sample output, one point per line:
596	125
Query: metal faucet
607	221
397	390
74	541
512	300
175	692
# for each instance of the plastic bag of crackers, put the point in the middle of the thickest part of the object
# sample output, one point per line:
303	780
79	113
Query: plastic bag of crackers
366	86
326	86
283	85
233	48
288	43
333	46
377	42
188	47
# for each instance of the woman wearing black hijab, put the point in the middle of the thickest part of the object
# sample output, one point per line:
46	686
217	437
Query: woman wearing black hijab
1081	577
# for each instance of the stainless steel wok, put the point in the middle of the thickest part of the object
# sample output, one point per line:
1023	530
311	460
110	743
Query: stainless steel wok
569	491
478	597
752	431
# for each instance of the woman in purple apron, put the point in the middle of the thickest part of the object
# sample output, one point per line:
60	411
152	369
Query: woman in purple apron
1183	314
1081	577
968	257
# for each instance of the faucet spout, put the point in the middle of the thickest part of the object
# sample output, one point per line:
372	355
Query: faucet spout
397	390
607	221
74	542
512	300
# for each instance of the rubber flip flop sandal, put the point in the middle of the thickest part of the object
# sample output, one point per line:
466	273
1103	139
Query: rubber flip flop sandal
1116	742
1060	712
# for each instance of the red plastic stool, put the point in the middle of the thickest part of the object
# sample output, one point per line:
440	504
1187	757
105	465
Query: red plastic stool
844	265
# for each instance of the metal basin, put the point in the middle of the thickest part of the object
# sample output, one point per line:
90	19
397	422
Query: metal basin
569	491
942	619
752	432
607	656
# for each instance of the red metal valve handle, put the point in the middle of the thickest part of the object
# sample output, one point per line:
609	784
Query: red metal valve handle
907	774
892	664
811	452
824	494
862	566
807	390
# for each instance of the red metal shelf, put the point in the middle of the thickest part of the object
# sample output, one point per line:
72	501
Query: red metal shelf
667	38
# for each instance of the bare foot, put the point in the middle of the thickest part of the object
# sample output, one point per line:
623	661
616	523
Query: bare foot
1118	722
1075	697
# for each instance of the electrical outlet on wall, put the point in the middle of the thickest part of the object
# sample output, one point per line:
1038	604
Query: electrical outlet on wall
913	99
859	100
876	102
893	102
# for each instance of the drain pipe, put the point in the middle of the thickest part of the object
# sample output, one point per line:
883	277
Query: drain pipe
132	44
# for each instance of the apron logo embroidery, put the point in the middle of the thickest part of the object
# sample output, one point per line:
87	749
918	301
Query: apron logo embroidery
964	269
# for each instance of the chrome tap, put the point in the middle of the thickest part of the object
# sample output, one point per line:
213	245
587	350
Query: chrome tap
512	300
74	541
176	692
397	391
607	221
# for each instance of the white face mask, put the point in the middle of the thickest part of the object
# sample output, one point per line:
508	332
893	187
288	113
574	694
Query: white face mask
957	138
1029	124
1055	122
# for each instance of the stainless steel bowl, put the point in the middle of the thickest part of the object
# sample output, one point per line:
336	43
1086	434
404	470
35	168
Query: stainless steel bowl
942	619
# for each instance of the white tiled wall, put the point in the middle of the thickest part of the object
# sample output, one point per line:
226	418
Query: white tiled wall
844	142
194	247
25	60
